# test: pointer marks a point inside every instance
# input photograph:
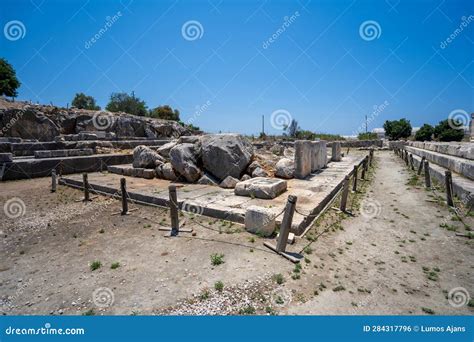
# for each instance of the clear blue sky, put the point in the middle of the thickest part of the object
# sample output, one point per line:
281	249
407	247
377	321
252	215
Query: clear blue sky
318	68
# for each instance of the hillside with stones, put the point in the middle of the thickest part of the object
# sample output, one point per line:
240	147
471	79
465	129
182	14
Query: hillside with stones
43	122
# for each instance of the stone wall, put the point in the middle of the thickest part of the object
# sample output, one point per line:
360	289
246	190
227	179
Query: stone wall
456	149
359	143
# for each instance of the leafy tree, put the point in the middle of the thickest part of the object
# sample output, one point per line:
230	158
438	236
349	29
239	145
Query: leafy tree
292	129
367	136
164	112
122	102
397	129
425	133
445	132
82	101
8	81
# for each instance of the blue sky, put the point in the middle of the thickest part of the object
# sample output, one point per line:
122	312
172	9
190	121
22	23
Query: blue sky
321	67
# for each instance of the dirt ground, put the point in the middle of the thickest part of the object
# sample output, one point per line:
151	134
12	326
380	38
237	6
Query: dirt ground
398	254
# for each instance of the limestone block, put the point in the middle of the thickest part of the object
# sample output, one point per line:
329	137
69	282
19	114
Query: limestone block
259	220
206	180
229	182
261	187
148	173
336	151
323	155
303	157
285	168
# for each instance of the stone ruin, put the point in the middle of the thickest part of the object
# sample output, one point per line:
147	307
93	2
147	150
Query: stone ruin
228	161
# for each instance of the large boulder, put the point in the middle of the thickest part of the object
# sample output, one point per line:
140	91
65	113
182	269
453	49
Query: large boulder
259	172
166	171
28	123
145	157
184	161
225	154
229	182
165	149
285	168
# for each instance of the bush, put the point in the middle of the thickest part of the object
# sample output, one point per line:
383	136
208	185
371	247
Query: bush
367	136
445	132
217	259
425	133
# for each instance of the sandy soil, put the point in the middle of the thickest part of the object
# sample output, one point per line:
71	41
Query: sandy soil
368	264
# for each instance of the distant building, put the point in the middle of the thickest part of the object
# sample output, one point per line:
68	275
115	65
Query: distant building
380	132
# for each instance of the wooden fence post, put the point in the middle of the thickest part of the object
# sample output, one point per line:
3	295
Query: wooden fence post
345	194
412	166
286	224
53	181
85	181
420	167
427	174
354	184
363	169
449	188
371	154
174	210
123	190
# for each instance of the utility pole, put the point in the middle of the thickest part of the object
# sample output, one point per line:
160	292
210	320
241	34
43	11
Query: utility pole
366	125
263	124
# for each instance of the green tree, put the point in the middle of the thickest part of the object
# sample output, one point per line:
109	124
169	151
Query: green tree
425	133
445	131
82	101
164	112
8	81
122	102
367	136
397	129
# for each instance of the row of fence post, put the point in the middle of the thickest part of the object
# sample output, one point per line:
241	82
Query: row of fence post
288	212
424	164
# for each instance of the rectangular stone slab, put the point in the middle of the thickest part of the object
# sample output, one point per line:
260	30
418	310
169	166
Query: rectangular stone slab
303	158
261	187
